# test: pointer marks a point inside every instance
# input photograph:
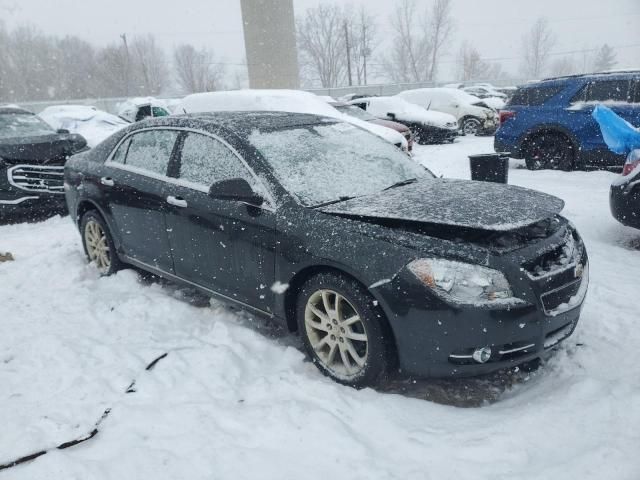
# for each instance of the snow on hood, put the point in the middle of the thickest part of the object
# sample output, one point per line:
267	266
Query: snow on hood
406	111
93	124
294	101
457	203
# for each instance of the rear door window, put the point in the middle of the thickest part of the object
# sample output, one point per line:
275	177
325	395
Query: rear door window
151	150
535	96
635	92
205	161
608	91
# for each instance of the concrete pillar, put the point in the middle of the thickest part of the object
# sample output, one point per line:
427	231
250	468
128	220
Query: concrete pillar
270	43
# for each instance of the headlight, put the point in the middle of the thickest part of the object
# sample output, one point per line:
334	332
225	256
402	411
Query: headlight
464	283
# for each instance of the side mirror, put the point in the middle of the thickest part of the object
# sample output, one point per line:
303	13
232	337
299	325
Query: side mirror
63	131
237	189
392	116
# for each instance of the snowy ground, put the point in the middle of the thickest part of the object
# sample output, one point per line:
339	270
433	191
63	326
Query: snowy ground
235	398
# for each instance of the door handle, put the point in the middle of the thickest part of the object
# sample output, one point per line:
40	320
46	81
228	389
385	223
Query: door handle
177	201
107	181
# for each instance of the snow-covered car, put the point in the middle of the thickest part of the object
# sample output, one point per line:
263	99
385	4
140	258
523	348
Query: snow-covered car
484	91
292	101
361	114
387	269
473	115
139	108
93	124
427	126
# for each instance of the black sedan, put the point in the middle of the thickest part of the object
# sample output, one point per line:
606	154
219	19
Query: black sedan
624	195
337	235
32	157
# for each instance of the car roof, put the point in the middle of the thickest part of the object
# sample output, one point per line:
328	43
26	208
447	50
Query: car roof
241	123
613	75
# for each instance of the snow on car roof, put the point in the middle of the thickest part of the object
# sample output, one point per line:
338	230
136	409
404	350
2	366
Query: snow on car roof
458	94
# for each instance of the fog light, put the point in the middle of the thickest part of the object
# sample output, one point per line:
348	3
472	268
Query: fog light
482	355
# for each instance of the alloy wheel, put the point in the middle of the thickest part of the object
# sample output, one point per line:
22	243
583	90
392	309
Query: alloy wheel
336	333
97	246
470	126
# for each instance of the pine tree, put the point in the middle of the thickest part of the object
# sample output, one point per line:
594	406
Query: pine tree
605	59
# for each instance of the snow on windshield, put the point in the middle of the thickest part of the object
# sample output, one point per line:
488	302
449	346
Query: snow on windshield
22	125
321	163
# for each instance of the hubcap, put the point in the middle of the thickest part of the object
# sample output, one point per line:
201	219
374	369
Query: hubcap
97	246
470	127
336	333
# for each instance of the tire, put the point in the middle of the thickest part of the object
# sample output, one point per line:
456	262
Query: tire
550	150
350	343
98	243
470	125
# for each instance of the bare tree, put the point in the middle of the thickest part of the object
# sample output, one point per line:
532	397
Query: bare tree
469	63
605	59
536	47
438	29
197	70
563	66
112	67
321	43
148	65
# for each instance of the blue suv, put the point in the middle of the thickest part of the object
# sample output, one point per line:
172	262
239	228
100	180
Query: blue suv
549	123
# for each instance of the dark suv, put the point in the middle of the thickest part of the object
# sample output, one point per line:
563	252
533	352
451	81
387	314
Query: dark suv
549	123
32	157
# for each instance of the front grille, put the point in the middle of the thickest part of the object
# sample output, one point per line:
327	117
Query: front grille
37	178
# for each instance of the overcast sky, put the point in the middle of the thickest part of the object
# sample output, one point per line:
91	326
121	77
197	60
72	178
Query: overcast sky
495	27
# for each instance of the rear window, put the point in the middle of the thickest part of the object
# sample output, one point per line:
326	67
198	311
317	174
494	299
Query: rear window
535	96
605	91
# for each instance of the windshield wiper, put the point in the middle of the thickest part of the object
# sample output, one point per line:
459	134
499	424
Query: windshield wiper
401	183
343	198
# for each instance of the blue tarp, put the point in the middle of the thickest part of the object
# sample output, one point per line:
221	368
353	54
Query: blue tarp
619	135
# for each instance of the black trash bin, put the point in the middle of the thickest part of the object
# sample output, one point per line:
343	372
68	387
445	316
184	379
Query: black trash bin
490	167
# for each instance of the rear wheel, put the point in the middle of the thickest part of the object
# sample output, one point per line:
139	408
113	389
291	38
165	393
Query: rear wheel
98	243
549	150
344	332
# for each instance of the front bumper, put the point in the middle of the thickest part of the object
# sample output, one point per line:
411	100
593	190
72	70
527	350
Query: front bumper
489	127
26	189
436	339
624	202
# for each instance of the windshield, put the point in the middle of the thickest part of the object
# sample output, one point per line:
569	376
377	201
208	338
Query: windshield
323	163
356	112
22	125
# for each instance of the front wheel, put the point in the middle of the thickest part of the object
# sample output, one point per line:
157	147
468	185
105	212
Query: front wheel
471	126
343	330
98	243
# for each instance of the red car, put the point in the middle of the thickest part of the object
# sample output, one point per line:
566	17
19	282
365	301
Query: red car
361	114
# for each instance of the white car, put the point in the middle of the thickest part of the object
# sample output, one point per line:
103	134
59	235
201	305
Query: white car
139	108
426	126
473	115
294	101
93	124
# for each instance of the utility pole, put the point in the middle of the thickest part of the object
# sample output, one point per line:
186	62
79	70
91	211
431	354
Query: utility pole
346	37
127	63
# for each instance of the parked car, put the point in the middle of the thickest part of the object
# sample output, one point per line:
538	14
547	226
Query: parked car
93	124
427	126
484	91
549	123
139	108
624	195
474	116
365	116
294	101
32	155
272	212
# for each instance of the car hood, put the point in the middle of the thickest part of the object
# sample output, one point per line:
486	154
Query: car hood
42	149
455	203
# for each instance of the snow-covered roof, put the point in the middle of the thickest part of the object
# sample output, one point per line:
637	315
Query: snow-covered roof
404	111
